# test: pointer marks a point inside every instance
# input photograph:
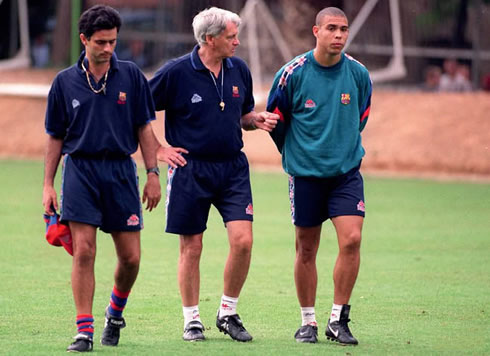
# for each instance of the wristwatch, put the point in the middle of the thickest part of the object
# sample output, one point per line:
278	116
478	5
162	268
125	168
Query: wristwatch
155	170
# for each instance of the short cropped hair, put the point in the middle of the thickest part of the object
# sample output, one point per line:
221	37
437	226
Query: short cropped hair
98	17
212	22
328	11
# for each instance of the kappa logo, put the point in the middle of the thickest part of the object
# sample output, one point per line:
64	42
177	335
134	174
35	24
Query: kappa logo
196	99
310	104
75	103
249	210
122	98
345	98
361	206
133	220
225	306
235	92
115	322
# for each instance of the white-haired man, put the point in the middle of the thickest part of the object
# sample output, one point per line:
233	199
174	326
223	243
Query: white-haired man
207	97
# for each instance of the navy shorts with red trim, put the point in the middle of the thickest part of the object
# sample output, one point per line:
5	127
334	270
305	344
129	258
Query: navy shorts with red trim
192	189
314	200
101	192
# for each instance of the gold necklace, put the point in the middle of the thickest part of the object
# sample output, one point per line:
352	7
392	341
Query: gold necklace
102	88
222	103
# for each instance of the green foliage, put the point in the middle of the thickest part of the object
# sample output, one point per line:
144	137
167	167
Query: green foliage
423	287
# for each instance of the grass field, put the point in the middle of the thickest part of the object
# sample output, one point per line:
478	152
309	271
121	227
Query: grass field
423	288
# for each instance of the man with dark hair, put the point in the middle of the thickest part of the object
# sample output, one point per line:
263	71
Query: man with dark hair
323	97
98	111
207	97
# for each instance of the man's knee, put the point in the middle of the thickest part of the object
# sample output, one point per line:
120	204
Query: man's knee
190	247
351	242
84	253
306	253
307	243
130	260
242	244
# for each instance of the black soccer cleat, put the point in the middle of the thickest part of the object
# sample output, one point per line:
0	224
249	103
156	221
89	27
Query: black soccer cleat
82	343
112	330
194	331
307	333
338	331
233	326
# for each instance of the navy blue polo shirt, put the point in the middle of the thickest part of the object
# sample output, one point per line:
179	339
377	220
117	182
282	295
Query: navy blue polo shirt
183	87
93	124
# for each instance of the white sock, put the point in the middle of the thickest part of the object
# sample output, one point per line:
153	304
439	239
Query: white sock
191	314
308	316
227	306
335	314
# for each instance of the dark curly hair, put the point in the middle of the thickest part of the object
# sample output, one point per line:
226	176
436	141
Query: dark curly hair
98	17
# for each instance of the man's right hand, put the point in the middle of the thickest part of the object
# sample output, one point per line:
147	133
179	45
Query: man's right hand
172	156
49	199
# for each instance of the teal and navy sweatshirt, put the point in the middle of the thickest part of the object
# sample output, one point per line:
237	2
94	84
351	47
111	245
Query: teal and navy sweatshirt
322	113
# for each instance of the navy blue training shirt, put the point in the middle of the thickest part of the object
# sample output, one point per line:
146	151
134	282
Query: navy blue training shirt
93	124
183	87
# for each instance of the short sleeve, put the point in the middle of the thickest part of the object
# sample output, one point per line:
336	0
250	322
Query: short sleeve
56	118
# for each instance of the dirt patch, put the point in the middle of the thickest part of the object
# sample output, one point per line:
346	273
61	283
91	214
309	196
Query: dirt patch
409	132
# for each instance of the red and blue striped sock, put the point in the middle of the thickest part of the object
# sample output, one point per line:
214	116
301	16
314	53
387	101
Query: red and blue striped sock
85	324
118	302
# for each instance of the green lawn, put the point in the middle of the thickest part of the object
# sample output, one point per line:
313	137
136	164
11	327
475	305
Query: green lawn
423	287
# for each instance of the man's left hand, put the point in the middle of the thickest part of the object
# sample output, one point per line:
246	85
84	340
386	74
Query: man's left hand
266	121
152	192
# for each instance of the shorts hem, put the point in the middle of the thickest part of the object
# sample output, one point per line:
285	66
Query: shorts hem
66	221
176	231
251	219
348	214
110	230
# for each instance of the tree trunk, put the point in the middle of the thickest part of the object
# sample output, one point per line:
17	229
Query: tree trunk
61	35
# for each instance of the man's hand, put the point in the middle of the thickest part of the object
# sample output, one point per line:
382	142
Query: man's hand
266	121
49	199
172	156
152	192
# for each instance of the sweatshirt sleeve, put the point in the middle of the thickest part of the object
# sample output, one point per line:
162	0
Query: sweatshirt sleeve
278	103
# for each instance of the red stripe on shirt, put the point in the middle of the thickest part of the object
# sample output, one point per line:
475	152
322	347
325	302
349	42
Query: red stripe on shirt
365	114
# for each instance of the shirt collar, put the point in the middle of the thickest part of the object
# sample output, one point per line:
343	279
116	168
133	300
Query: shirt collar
197	63
333	68
114	62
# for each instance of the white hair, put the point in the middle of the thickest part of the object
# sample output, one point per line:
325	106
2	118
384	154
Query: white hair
212	22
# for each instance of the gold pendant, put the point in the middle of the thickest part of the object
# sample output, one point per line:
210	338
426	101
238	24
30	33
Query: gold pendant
222	105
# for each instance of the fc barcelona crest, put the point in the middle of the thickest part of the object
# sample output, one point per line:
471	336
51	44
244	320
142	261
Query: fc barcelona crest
122	98
345	98
236	93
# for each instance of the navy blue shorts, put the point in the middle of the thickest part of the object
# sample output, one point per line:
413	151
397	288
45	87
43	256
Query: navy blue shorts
314	200
101	192
193	188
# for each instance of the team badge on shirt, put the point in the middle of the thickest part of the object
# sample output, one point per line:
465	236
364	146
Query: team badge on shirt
75	103
235	92
345	98
122	98
310	104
